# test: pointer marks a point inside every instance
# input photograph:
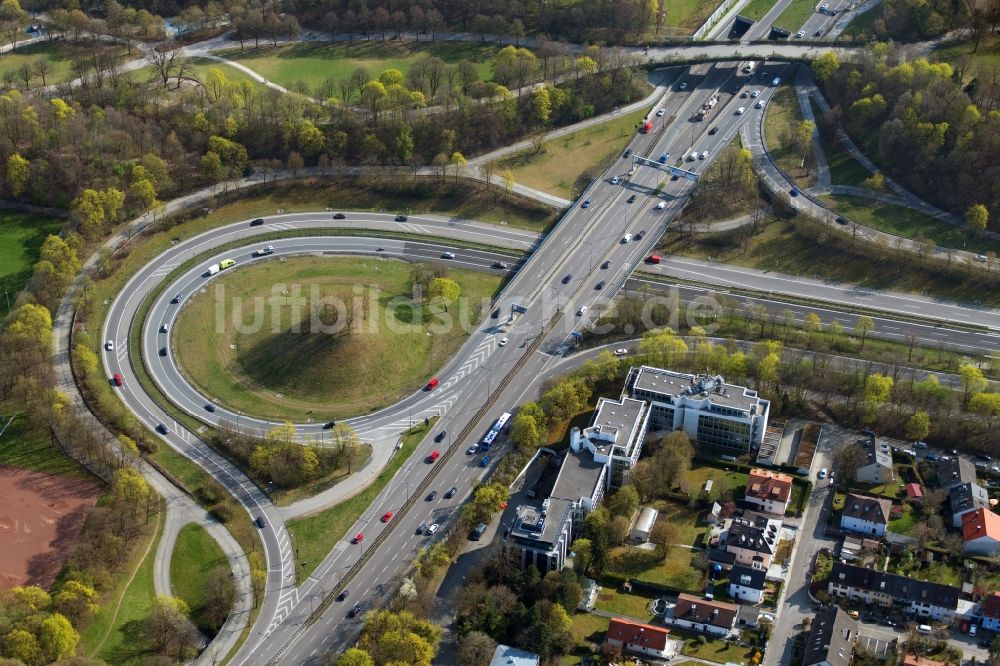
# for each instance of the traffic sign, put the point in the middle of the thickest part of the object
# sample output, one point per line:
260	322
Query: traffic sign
682	173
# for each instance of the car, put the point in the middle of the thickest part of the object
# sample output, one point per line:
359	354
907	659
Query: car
566	279
607	264
451	492
704	155
354	611
432	496
759	104
585	204
387	516
621	352
339	216
401	218
683	85
983	457
745	94
329	424
110	345
631	199
794	192
358	538
432	384
840	220
499	264
953	452
627	153
433	528
342	595
163	329
776	81
800	34
920	445
421	527
485	461
972	629
825	7
117	379
981	257
931	457
582	311
471	451
259	522
163	429
176	299
822	474
692	156
163	351
615	180
256	223
638	236
440	436
817	33
661	205
209	407
432	458
447	255
660	112
264	251
740	110
502	343
599	285
755	93
713	131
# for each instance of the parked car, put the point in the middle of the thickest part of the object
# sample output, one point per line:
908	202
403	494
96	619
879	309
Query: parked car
822	474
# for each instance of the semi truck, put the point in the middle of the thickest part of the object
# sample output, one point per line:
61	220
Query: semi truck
707	107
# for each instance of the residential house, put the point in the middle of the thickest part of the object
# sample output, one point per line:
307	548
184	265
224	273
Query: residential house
504	655
704	615
865	515
925	599
981	532
916	660
990	612
831	639
751	542
877	465
747	583
954	471
714	513
965	498
644	639
769	491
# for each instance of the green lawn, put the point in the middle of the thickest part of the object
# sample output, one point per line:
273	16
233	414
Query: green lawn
113	636
316	535
198	68
565	166
196	554
32	448
315	62
861	25
59	56
686	16
908	223
795	15
21	238
783	114
588	629
634	604
718	651
722	479
905	523
252	357
844	169
755	9
936	572
985	57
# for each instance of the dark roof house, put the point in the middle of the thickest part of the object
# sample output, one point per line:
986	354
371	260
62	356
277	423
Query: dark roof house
831	639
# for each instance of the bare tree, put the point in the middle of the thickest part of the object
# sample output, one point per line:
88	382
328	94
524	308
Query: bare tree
164	60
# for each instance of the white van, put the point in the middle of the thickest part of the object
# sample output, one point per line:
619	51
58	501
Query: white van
924	629
213	269
626	238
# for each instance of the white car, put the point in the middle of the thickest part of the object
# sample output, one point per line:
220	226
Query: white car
110	345
502	343
433	528
703	156
683	85
776	81
661	205
448	255
759	104
740	110
582	311
614	181
163	329
660	112
755	93
800	34
621	352
825	7
692	156
822	474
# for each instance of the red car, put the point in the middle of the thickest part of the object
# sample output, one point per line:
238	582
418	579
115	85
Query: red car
358	538
435	454
432	384
118	379
387	517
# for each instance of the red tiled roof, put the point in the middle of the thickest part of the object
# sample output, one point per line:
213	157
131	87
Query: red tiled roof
645	635
913	490
980	522
767	485
914	660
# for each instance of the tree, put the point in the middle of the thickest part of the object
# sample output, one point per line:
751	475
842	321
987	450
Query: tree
219	597
618	530
164	60
986	405
977	217
583	550
486	500
624	502
444	289
863	326
77	601
32	321
354	657
167	629
826	65
918	425
876	392
57	637
18	175
541	105
475	647
972	381
457	160
22	645
847	461
663	534
404	647
803	137
526	432
565	399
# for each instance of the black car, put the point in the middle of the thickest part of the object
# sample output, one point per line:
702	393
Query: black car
401	218
628	151
451	492
354	611
209	407
817	33
606	264
675	177
496	314
566	279
794	192
599	285
433	496
163	351
639	235
339	216
162	429
256	223
631	199
714	130
259	522
440	436
342	595
176	299
329	424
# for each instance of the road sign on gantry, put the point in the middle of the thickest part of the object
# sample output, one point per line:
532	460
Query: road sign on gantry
682	173
645	161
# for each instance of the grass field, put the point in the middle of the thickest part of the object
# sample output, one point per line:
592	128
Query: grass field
588	630
198	68
782	115
59	55
317	534
196	554
634	604
315	62
755	9
719	651
909	223
986	56
566	165
113	636
721	480
31	448
795	15
844	169
862	24
686	16
277	367
21	238
905	523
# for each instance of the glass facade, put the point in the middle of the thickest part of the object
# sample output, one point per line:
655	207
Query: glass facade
723	432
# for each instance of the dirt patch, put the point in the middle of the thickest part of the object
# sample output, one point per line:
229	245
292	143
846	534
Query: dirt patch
41	516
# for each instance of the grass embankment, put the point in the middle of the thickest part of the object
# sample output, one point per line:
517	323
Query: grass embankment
756	9
790	246
316	535
860	26
686	16
196	555
566	165
795	15
986	57
27	447
844	169
272	363
782	115
113	636
908	223
59	56
313	63
21	238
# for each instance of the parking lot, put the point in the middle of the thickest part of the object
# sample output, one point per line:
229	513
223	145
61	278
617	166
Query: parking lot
879	647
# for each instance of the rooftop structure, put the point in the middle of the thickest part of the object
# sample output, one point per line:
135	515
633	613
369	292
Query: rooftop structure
981	532
954	471
964	498
870	585
631	636
831	639
768	490
504	655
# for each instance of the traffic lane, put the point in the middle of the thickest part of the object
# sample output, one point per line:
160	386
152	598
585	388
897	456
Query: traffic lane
760	29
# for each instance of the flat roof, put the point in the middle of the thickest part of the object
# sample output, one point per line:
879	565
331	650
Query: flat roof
546	523
617	417
579	476
676	384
